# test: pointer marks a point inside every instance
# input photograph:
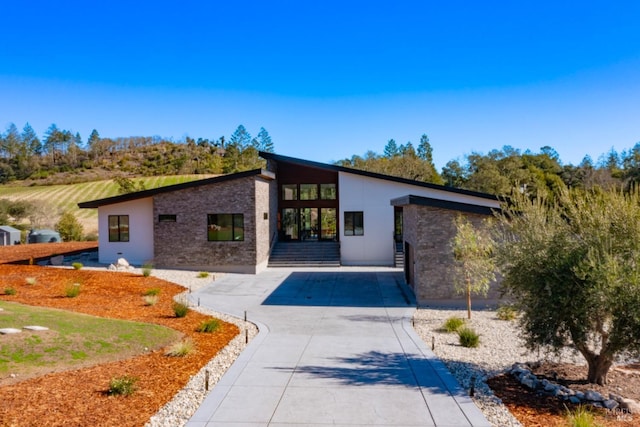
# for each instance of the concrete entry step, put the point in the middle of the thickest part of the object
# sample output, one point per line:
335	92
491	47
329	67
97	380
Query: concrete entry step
305	254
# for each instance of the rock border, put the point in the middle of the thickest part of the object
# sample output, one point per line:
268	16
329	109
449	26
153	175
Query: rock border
526	377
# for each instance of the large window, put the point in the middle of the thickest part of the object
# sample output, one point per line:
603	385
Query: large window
225	227
328	191
308	192
353	224
290	192
118	228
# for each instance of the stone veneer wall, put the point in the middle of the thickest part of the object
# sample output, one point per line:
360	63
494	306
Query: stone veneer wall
429	231
265	192
183	244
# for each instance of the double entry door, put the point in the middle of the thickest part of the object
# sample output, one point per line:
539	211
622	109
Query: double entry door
303	224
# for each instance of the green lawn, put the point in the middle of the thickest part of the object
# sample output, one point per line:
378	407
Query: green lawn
72	339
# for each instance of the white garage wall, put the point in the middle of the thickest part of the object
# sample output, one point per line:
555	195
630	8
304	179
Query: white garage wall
372	196
139	249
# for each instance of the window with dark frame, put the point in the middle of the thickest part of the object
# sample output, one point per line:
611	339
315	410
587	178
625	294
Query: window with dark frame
327	191
308	192
167	218
354	223
289	192
118	228
225	227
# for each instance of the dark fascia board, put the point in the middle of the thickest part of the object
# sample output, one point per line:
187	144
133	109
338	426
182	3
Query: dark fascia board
176	187
443	204
336	168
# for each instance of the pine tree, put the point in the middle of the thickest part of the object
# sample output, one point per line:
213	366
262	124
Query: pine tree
264	142
94	138
425	152
391	149
11	142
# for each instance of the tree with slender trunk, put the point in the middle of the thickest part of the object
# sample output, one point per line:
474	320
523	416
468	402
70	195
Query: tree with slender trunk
474	267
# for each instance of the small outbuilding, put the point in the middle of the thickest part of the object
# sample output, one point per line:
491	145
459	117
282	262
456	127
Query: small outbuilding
9	236
44	236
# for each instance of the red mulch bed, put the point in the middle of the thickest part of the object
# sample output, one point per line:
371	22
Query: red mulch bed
9	254
78	397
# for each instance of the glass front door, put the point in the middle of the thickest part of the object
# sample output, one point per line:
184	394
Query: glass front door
328	220
290	224
308	224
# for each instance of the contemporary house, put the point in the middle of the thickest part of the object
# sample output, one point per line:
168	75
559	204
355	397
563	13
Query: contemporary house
246	221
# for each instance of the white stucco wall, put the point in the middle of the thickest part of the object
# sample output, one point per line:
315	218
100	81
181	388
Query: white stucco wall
139	249
372	196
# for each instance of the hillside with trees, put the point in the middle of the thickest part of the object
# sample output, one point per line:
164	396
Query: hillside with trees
30	164
62	156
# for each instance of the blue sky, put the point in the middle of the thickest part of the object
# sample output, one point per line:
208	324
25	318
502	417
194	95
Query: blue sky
330	79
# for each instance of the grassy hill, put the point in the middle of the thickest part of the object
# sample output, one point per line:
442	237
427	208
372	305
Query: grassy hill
56	199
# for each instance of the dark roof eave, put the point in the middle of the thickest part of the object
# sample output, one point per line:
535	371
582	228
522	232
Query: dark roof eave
336	168
191	184
444	204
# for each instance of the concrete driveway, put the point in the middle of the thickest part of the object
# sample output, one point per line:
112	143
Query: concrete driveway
335	347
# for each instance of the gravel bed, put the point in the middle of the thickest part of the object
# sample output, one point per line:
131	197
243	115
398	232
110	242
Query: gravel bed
500	347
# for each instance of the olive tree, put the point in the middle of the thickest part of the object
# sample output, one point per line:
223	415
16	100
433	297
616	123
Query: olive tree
572	267
474	267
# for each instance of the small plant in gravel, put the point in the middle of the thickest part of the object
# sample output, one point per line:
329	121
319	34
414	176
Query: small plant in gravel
77	265
506	312
31	280
152	292
122	386
580	417
209	326
146	269
150	300
180	308
203	275
72	290
180	349
468	338
453	324
10	291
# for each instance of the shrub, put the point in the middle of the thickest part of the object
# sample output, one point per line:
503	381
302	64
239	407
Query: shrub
506	312
208	326
72	290
180	349
203	274
150	299
580	417
69	227
10	291
152	292
146	269
77	265
123	386
468	337
453	324
31	280
180	308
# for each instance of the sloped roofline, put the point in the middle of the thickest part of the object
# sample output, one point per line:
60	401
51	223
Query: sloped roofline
336	168
411	199
191	184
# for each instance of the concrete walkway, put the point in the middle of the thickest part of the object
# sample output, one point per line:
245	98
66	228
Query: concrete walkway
335	347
